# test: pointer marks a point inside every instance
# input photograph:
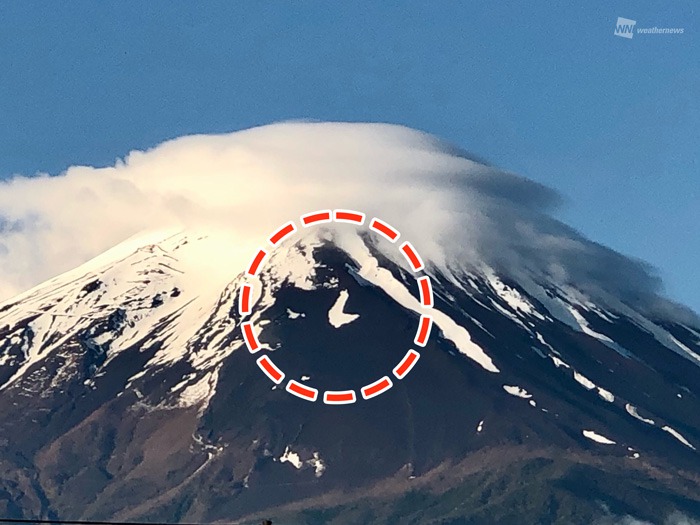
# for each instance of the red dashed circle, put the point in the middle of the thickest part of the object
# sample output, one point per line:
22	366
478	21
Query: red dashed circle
336	397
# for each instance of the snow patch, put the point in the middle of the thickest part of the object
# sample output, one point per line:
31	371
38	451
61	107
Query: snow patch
584	381
200	392
590	385
632	411
291	458
678	436
605	395
337	317
517	391
182	384
295	264
586	329
294	315
558	362
318	465
295	460
593	436
512	297
545	343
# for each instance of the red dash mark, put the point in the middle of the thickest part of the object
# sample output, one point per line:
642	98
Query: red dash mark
384	229
316	217
257	261
426	322
244	299
354	217
250	340
271	371
283	232
426	292
376	388
344	397
406	364
304	392
412	256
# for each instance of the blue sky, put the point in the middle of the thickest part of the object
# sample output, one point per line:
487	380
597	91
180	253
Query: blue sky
543	89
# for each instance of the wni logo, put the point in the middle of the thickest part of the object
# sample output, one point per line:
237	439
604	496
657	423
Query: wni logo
625	27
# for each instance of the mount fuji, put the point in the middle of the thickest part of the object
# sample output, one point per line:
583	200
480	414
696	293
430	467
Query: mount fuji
546	393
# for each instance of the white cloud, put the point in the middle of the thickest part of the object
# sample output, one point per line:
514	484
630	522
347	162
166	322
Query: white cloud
453	209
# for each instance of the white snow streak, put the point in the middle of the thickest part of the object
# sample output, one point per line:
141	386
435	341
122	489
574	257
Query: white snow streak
678	436
593	436
583	380
383	278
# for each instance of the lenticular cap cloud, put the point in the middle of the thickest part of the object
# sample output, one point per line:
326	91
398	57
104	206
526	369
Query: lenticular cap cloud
458	210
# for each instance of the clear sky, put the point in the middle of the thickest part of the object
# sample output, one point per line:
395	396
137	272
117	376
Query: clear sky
543	89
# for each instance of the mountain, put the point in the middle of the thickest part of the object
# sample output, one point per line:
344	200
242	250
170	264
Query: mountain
127	392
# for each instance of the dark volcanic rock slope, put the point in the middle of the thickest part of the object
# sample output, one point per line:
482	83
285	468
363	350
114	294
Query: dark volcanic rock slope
127	393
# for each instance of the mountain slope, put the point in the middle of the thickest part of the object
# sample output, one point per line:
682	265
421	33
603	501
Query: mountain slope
135	396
